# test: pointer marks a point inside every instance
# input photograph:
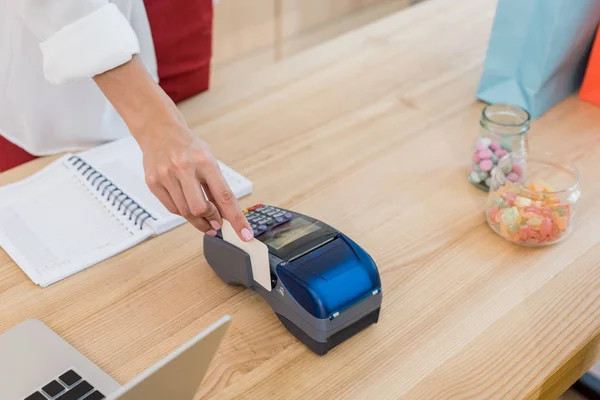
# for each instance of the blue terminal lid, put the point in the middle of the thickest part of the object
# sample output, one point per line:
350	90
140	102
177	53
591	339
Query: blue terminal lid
330	278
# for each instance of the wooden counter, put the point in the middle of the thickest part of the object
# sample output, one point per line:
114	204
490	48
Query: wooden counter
372	134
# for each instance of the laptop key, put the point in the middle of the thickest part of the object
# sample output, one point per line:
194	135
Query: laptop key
36	396
70	378
53	388
95	396
77	392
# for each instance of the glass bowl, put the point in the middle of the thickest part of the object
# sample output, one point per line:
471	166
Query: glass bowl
532	198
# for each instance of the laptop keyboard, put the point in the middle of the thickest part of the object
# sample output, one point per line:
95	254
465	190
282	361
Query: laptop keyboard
68	386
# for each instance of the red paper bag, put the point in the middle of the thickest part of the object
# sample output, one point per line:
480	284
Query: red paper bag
182	34
590	89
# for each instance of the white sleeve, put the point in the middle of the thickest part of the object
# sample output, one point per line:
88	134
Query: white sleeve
79	38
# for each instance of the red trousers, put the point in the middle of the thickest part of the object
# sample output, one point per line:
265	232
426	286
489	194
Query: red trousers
182	35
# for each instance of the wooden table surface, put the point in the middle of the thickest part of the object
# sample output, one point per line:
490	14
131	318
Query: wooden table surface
370	133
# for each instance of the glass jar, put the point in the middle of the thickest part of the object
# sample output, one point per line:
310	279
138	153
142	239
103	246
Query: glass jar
532	198
503	130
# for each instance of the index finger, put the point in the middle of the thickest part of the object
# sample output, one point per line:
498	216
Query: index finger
227	203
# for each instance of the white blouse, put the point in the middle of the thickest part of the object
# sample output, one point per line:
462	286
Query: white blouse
49	51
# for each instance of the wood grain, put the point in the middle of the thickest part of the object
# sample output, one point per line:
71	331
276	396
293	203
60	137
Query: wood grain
370	132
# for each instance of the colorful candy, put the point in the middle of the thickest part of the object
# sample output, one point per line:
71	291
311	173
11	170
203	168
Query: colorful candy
513	177
486	155
530	214
486	165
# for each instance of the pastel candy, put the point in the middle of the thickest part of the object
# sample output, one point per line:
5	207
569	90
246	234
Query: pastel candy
512	177
562	223
507	168
510	197
494	146
476	158
509	216
484	154
505	143
486	165
494	158
474	177
523	216
534	221
513	227
484	141
524	233
483	176
476	168
492	212
497	200
500	153
546	227
488	182
517	169
522	202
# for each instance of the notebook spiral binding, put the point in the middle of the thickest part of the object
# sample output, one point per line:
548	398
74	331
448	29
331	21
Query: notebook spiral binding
136	213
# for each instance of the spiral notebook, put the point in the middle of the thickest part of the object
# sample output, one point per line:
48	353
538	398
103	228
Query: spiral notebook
83	209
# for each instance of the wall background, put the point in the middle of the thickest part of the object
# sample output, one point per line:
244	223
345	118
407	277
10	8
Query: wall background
251	34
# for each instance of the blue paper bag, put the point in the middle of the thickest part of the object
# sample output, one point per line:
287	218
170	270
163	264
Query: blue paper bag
538	52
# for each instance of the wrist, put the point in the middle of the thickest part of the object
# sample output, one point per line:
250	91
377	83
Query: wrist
157	130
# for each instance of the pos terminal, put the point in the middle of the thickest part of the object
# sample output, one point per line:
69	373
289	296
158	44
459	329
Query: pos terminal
324	287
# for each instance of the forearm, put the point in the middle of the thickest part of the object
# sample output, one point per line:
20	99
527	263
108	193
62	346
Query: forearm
139	100
179	167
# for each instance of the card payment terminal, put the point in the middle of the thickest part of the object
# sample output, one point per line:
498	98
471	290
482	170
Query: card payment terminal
325	288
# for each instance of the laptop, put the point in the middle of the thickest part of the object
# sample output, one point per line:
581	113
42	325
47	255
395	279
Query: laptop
37	364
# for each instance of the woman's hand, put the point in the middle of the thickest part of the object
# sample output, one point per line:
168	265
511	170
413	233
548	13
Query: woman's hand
178	165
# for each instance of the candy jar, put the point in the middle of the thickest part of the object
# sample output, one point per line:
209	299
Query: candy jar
503	130
532	199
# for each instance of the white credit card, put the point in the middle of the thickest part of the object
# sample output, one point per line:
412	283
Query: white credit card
258	252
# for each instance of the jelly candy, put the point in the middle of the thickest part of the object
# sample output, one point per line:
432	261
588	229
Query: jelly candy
526	217
510	215
522	201
546	227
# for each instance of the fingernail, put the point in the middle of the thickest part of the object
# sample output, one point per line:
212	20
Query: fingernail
212	232
246	234
215	225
